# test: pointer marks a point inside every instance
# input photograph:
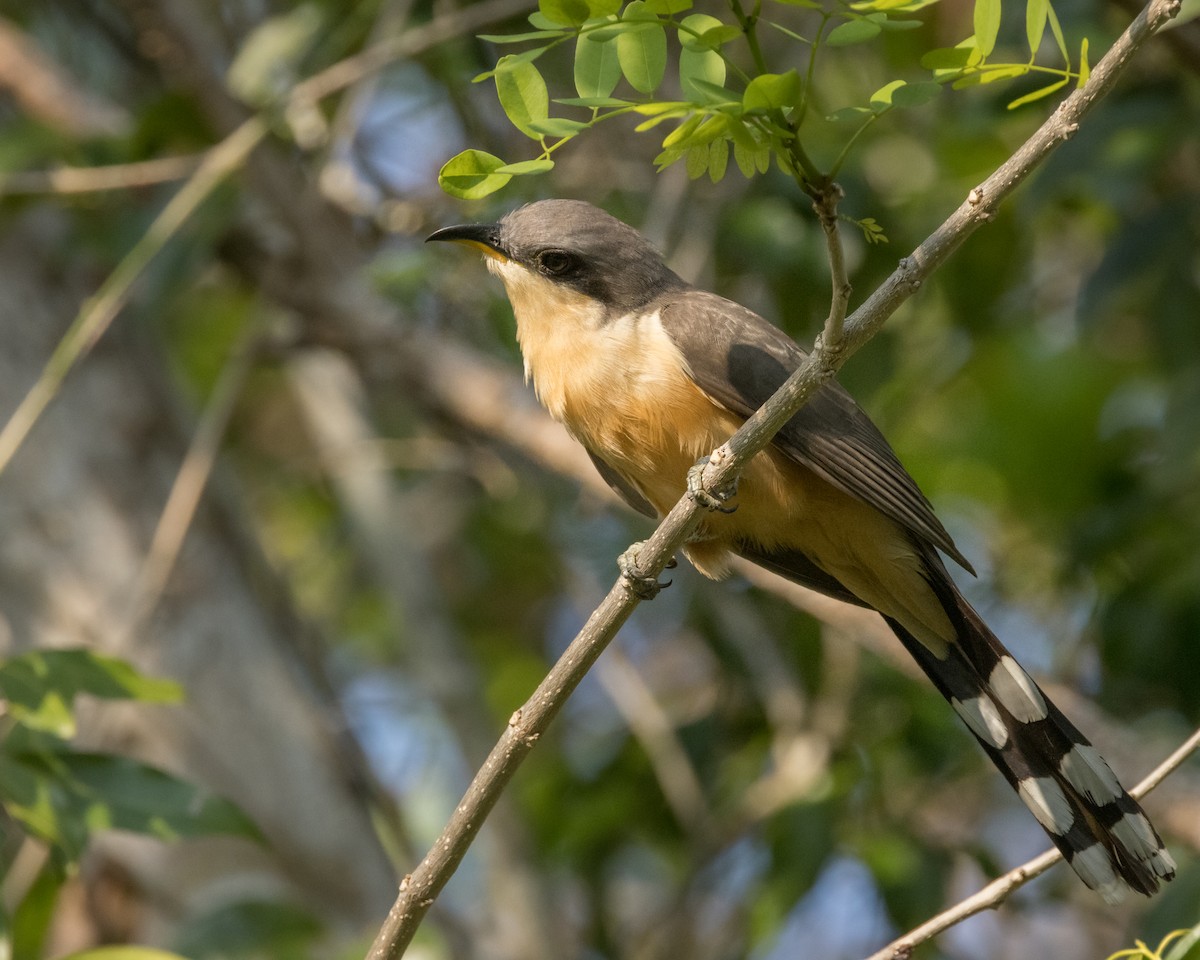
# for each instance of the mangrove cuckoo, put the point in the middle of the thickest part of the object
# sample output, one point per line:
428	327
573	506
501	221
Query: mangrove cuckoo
650	374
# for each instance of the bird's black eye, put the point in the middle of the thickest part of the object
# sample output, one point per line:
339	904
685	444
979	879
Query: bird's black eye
556	263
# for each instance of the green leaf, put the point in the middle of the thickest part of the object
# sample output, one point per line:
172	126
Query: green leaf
1037	94
1184	947
678	138
898	26
1085	69
849	113
541	22
64	796
1035	23
524	167
987	25
555	127
593	103
33	915
655	120
1002	72
519	37
573	13
718	159
1056	29
716	95
642	49
697	162
522	93
693	27
916	94
853	31
668	7
705	65
604	8
472	174
772	91
40	686
744	158
948	58
246	929
597	69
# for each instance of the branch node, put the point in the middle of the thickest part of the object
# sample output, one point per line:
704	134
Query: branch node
515	719
975	197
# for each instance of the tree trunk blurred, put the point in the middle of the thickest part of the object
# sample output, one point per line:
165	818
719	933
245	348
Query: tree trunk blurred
78	506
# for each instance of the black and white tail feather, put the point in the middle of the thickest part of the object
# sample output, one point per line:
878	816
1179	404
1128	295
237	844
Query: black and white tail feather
1100	829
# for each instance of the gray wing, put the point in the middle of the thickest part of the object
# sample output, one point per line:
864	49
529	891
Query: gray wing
739	359
622	487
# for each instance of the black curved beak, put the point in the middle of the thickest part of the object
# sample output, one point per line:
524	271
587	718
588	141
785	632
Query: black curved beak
483	236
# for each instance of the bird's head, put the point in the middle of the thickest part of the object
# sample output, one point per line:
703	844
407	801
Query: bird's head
568	251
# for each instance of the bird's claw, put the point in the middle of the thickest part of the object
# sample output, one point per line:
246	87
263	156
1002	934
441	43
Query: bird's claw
641	586
718	500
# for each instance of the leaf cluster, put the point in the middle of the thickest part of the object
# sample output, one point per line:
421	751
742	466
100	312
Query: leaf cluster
719	110
62	796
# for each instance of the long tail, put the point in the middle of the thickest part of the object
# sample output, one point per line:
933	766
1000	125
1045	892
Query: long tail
1100	829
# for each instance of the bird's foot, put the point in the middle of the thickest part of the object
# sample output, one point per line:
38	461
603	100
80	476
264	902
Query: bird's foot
718	500
640	585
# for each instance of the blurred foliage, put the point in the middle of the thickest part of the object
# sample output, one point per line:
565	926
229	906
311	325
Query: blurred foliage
1044	388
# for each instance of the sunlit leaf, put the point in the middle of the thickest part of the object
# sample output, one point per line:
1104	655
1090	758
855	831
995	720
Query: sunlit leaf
522	93
668	7
1035	23
597	69
556	127
695	65
594	102
693	28
523	167
1037	94
772	91
472	174
1085	69
948	58
987	25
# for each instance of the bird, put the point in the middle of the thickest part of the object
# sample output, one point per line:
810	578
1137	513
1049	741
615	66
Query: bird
651	374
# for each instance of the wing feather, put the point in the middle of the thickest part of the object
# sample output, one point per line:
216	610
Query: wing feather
739	359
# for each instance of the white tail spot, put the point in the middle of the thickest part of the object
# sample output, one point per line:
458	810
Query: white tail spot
1017	693
1086	771
1095	868
1048	803
981	715
1134	832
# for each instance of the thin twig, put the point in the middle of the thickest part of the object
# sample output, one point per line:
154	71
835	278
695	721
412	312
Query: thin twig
420	888
117	176
999	889
98	312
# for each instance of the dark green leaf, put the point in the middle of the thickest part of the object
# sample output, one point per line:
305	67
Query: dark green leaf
33	915
853	31
597	69
849	113
1056	29
594	102
472	174
522	93
252	928
898	26
40	685
916	94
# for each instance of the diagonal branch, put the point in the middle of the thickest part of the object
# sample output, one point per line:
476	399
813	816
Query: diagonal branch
421	887
998	890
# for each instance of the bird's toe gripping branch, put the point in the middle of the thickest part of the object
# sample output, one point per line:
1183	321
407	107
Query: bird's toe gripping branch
717	500
642	586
